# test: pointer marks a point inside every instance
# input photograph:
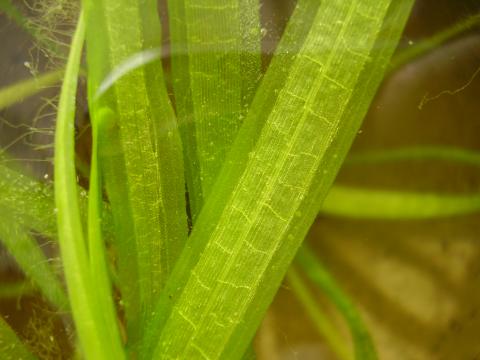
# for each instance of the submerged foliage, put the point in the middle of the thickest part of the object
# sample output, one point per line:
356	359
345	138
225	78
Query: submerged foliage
246	157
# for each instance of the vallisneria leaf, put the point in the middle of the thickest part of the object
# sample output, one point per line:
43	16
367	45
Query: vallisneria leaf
17	289
31	203
7	7
319	319
364	348
426	45
417	153
17	92
28	201
11	347
361	203
275	179
216	66
147	166
93	331
291	42
27	253
96	246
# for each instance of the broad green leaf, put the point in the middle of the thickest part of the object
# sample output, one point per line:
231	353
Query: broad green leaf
316	272
11	347
33	262
291	43
144	180
362	203
319	319
93	331
216	67
275	178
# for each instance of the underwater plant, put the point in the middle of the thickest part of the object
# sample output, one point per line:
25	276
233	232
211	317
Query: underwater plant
205	173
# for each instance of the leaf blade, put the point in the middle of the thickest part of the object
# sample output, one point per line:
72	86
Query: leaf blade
252	221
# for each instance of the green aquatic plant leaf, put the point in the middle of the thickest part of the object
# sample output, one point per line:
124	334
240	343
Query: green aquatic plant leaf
33	262
29	202
99	267
361	203
11	347
144	177
275	179
215	68
291	42
319	319
17	92
426	45
95	334
7	7
17	289
318	274
416	153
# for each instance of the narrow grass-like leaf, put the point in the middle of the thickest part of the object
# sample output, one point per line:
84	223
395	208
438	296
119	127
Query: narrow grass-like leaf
96	246
13	13
320	320
216	67
17	92
17	289
362	203
11	347
417	153
151	172
33	262
275	179
112	163
364	348
92	330
291	42
433	42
